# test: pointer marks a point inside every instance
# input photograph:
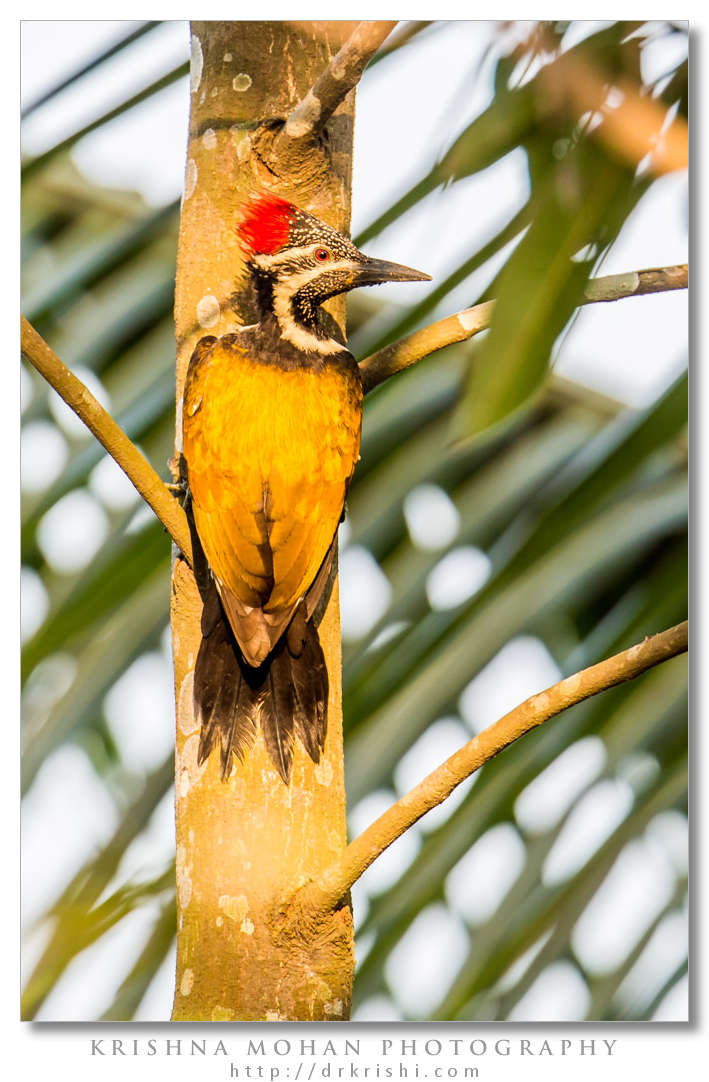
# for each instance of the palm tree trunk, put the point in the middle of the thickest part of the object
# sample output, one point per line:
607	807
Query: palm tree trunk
245	846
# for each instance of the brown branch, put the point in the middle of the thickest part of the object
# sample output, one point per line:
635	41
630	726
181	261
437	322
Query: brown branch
322	896
614	287
136	467
399	355
331	87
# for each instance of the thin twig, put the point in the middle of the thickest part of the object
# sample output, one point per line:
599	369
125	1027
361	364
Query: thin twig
136	467
332	87
614	287
323	895
399	355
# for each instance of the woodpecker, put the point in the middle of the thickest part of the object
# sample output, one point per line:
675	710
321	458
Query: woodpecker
271	424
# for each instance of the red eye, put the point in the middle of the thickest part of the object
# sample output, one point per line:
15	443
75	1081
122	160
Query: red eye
322	254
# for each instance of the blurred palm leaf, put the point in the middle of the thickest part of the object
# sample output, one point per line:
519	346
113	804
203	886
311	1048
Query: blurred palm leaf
577	503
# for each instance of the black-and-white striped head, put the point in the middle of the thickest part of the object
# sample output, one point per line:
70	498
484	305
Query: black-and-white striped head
298	261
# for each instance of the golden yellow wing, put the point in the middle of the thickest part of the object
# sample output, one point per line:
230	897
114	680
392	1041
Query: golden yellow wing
270	452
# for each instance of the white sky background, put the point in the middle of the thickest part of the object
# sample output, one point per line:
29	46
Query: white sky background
408	110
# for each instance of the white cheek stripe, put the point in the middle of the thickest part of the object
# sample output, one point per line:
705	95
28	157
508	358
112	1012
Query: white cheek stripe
283	292
293	331
302	339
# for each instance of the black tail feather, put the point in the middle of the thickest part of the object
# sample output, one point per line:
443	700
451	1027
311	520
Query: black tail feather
277	720
310	682
287	695
229	705
224	702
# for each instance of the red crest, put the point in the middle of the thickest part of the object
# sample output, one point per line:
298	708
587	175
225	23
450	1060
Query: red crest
265	224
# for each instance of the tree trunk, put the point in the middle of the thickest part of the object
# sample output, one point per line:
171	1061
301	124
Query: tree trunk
245	846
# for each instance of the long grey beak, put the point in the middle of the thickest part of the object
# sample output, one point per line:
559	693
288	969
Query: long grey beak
374	271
